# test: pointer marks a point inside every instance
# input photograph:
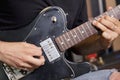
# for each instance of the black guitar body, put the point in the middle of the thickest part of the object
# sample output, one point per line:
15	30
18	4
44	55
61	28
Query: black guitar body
48	25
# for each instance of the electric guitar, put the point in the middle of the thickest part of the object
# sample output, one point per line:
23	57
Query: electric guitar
49	31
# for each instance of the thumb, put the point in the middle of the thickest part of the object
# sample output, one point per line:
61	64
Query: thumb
106	35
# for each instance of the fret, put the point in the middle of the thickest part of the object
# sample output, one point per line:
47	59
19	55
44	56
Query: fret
70	35
78	38
75	35
118	9
117	12
63	42
80	32
110	13
87	29
60	43
72	43
75	41
92	28
67	40
85	32
114	13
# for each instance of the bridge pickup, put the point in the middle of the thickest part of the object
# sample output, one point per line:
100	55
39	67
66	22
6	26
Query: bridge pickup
50	49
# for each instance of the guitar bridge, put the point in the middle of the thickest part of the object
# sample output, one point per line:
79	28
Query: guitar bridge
50	49
14	73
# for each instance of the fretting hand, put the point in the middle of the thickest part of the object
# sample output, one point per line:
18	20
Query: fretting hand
110	27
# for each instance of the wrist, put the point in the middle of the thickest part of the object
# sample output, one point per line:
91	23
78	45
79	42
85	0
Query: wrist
1	50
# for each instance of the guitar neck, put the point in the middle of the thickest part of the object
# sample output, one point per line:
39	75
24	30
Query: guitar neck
81	32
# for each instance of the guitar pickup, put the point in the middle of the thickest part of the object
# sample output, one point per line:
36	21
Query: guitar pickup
50	49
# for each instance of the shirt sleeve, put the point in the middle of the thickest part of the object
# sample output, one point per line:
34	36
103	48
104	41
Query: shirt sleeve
97	75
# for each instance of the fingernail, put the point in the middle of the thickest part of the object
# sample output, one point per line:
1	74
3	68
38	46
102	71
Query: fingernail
99	19
94	22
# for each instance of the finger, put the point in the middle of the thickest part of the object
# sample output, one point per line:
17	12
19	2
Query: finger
34	52
29	45
113	20
25	66
36	62
33	46
108	23
110	35
99	25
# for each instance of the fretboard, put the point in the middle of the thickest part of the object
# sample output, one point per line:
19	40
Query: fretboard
83	31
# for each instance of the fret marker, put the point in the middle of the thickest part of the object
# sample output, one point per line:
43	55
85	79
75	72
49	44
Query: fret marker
112	16
82	31
68	39
75	36
62	43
